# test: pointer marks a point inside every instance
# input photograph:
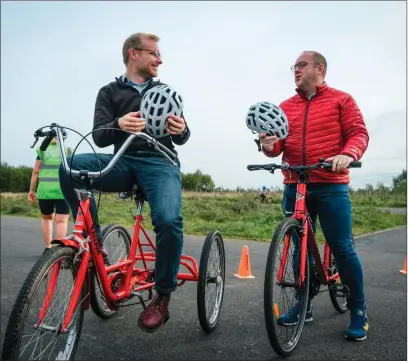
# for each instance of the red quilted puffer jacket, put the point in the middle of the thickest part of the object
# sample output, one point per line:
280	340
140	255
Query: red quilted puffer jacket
328	124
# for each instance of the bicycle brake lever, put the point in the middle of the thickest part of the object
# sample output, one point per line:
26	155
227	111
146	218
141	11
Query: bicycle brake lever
35	142
258	142
157	147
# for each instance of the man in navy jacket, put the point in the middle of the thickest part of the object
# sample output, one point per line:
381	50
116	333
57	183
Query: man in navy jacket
118	107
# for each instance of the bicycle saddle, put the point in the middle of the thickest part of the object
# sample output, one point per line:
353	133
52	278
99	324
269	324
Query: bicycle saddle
136	191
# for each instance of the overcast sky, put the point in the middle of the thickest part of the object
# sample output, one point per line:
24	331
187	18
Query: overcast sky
221	56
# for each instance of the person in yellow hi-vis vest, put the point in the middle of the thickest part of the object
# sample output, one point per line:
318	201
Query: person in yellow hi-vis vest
48	193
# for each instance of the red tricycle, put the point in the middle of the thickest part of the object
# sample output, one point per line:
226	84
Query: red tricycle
53	328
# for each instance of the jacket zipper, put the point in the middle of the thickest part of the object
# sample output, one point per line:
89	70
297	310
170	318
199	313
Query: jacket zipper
304	132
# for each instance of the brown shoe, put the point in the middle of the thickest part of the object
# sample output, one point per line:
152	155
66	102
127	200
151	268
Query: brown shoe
155	315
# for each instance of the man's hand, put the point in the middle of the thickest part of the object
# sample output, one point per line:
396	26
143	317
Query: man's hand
132	123
268	142
175	125
340	162
31	197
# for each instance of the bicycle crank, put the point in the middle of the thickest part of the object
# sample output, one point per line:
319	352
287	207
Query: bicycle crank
340	290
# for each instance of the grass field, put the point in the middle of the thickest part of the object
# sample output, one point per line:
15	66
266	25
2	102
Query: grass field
236	215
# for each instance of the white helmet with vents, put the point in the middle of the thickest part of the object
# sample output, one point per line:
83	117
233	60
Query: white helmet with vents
268	118
157	104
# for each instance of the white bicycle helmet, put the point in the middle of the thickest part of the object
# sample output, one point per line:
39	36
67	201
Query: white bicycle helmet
265	117
156	106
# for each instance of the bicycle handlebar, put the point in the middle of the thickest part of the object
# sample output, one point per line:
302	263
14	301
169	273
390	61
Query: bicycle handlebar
56	132
298	168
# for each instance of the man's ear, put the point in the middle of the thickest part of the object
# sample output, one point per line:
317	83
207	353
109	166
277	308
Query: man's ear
322	69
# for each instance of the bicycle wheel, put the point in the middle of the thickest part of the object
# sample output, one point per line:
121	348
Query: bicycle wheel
56	264
272	312
338	291
119	235
211	279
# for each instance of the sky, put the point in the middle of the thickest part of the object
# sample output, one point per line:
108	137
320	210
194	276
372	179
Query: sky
222	57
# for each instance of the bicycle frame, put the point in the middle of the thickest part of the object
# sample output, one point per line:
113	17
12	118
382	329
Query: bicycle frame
133	283
307	241
85	241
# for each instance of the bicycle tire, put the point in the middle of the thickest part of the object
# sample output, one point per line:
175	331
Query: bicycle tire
332	292
95	283
285	225
210	325
21	307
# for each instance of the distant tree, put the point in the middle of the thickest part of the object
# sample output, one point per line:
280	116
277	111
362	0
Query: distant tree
15	179
369	188
400	183
197	181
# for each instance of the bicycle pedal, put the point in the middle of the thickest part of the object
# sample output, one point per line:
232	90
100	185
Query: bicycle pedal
151	277
140	297
340	291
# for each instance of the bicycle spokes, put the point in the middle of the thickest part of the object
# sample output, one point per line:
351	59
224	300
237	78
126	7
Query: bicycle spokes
287	293
44	338
213	286
50	291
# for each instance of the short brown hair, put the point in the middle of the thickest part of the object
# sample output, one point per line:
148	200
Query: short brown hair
134	41
319	59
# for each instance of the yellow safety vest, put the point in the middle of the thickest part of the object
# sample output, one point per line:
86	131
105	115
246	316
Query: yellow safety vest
49	185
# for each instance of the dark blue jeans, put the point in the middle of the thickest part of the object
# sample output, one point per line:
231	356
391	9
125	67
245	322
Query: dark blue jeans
331	203
161	182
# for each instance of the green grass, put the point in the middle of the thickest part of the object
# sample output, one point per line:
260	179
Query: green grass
234	215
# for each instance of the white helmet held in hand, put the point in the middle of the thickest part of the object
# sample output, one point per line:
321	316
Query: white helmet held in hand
156	106
265	117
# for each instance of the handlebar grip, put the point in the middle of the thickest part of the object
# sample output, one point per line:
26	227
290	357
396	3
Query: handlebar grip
253	167
328	165
45	143
356	164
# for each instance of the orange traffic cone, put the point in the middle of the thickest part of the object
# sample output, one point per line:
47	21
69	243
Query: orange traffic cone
404	270
244	270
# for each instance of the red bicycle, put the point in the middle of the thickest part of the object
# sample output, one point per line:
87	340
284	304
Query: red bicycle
54	330
299	278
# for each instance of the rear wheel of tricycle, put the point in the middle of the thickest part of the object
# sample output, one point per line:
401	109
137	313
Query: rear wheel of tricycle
211	281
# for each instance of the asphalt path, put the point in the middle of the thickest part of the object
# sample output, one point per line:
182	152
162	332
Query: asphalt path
241	333
395	210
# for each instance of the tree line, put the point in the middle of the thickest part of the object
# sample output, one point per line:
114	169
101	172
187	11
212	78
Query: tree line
16	179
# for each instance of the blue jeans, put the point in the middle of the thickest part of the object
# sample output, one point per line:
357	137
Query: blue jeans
161	182
331	203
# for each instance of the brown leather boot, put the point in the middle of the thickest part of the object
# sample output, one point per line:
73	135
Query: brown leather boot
156	314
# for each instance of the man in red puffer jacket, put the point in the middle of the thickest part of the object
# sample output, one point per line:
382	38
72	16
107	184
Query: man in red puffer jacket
324	123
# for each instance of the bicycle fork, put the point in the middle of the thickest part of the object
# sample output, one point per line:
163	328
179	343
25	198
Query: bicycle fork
83	255
303	253
76	292
79	281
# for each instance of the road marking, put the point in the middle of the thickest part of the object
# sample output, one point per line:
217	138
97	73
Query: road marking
378	232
